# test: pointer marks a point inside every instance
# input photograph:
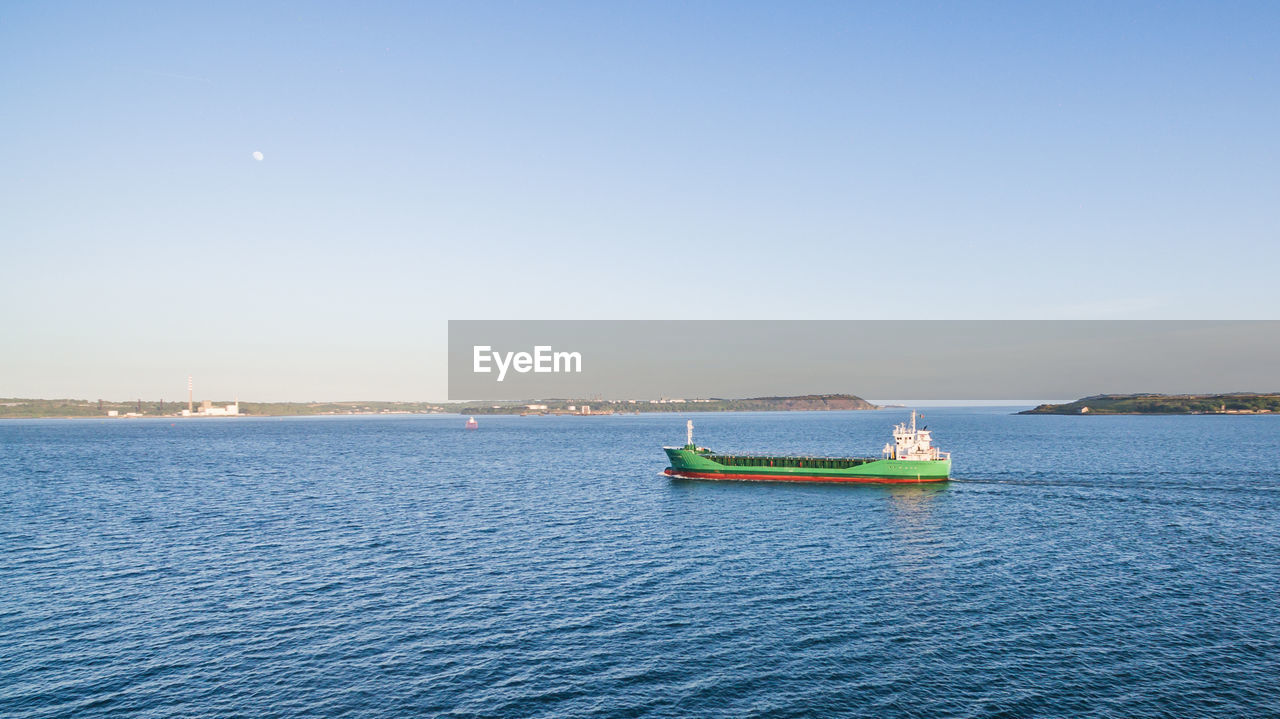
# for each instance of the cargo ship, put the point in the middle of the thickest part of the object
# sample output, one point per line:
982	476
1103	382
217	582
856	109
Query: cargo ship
911	457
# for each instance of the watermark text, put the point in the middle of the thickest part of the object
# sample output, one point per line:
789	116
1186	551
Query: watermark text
542	360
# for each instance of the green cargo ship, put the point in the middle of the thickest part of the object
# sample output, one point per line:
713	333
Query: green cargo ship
910	458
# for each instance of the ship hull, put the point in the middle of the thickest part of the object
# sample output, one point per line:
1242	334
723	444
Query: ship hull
739	477
691	464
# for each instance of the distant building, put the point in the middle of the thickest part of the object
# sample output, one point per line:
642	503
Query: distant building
208	410
113	413
1084	410
535	406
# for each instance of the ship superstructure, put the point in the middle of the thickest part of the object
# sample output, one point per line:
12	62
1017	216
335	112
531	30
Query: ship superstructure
912	444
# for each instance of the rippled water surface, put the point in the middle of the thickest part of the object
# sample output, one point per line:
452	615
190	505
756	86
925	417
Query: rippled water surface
541	566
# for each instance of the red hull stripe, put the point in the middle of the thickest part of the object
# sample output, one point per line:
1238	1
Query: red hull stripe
798	478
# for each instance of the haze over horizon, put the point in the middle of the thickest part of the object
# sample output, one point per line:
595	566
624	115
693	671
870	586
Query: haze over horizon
289	203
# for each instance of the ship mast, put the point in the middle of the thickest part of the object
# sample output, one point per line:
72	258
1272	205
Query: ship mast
689	427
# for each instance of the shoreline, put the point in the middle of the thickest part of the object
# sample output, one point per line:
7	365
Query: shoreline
458	414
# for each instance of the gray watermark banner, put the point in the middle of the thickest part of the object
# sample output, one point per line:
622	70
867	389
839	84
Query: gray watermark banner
501	360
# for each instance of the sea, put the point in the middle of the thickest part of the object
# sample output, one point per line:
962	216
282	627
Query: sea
401	566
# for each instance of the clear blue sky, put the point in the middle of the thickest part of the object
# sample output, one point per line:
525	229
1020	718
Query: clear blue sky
427	161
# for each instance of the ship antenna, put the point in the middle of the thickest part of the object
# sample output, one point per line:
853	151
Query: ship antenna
690	430
913	421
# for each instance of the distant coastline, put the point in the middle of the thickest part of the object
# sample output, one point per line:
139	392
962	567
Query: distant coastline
798	403
22	408
25	408
1234	403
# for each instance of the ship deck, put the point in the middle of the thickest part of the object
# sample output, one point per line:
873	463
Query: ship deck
775	460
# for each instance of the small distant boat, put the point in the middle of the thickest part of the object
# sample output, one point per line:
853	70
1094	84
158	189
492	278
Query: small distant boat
911	458
472	423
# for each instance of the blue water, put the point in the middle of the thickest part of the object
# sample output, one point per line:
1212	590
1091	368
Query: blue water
541	567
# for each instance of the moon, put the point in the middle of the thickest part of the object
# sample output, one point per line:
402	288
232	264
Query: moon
257	155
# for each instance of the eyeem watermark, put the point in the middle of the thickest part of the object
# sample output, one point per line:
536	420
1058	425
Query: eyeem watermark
542	360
